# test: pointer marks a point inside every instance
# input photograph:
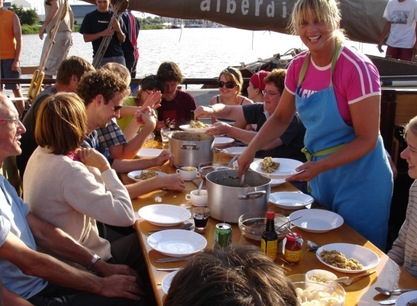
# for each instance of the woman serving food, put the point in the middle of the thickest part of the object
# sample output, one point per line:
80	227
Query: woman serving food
336	91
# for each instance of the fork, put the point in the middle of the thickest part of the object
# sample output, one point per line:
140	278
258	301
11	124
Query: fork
350	281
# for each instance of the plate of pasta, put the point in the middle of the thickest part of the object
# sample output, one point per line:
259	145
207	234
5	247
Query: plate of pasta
276	168
347	257
195	127
141	175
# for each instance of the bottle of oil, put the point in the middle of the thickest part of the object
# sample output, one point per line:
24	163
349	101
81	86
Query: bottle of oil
269	241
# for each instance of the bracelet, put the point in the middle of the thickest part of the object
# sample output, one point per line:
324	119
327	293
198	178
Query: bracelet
93	261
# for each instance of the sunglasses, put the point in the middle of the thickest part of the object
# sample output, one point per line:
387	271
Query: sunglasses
117	107
227	84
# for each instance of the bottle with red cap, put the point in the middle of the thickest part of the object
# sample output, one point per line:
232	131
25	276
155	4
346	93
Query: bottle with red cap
269	241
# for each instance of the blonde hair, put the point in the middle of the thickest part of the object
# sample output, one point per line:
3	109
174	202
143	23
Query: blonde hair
120	70
235	75
411	126
62	123
325	11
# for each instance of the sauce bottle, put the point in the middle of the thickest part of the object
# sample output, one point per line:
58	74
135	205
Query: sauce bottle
269	241
293	247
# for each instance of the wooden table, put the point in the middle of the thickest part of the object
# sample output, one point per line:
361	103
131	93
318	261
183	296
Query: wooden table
388	275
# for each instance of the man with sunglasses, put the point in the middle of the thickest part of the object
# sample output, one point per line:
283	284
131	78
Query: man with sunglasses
69	74
287	146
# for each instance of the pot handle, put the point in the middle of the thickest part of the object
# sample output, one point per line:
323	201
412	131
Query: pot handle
190	147
252	195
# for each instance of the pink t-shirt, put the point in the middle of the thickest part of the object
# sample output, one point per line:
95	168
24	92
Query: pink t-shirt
355	77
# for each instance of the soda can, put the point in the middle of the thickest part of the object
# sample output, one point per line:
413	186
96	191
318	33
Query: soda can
222	235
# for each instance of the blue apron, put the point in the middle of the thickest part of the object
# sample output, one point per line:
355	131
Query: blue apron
359	191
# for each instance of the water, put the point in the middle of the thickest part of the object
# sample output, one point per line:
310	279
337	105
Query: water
199	52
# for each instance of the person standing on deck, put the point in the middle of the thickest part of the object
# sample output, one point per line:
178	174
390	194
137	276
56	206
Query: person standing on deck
10	51
130	46
337	93
63	40
95	28
400	27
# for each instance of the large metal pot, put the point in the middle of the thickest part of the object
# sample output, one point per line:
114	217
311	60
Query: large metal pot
227	200
191	149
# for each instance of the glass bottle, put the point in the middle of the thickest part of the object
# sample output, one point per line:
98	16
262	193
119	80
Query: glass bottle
269	241
293	247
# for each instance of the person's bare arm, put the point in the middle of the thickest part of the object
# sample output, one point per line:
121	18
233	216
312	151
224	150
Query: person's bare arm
17	32
12	299
51	269
170	182
127	165
51	15
385	31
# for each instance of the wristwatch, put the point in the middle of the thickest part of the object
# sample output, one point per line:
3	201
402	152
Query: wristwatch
93	261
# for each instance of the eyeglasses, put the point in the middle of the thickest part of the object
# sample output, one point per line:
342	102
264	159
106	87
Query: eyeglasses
117	107
227	84
270	93
15	122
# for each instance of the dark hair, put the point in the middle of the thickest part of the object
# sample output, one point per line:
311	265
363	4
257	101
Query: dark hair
277	76
241	276
101	82
62	123
151	82
169	71
73	65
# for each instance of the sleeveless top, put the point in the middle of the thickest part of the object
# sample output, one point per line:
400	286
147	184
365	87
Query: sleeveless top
7	40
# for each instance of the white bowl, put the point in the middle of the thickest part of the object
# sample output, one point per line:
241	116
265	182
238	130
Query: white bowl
320	276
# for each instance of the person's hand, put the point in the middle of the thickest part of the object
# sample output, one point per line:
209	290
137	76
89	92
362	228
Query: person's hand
307	171
115	25
107	32
160	124
219	128
202	111
172	182
163	158
42	32
153	100
124	286
93	158
244	161
380	48
104	268
147	117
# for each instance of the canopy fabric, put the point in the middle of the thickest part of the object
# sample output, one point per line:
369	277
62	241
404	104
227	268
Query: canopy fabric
362	20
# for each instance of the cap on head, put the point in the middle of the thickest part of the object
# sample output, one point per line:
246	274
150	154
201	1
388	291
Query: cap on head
257	79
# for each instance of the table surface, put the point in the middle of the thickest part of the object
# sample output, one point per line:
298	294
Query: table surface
388	274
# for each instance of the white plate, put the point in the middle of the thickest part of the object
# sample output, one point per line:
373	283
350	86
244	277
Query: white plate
290	200
177	242
149	152
222	141
404	298
316	220
276	182
164	214
166	281
365	256
286	168
186	127
234	151
134	174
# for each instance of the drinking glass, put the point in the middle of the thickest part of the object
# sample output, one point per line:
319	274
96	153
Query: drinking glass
201	216
165	133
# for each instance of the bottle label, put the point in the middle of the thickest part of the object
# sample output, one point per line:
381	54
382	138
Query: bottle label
269	248
292	256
